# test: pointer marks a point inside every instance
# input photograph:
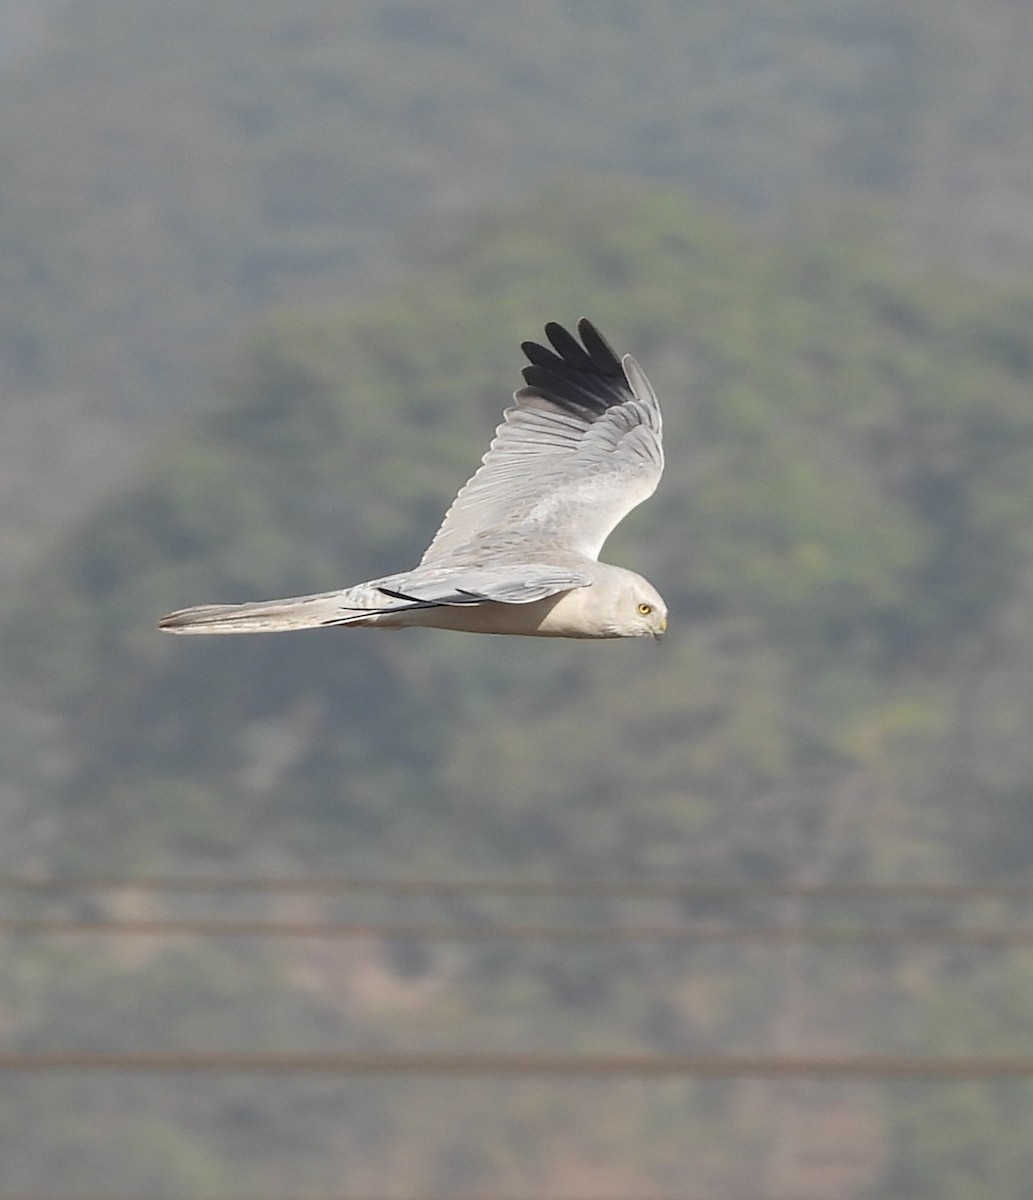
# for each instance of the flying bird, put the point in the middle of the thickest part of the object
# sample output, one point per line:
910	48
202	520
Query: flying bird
518	550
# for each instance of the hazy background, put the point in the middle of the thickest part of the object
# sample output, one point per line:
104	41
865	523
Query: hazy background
264	272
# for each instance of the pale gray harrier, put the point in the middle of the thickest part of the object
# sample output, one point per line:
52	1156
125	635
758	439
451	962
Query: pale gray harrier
518	550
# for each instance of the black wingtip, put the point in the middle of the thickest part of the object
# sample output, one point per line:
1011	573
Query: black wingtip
583	377
599	349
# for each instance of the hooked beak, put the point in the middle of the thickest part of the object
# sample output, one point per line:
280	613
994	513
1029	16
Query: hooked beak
660	630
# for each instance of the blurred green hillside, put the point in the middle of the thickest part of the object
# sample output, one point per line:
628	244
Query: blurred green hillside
171	168
265	271
843	538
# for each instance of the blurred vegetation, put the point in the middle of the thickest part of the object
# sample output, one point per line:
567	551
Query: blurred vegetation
173	167
841	330
843	538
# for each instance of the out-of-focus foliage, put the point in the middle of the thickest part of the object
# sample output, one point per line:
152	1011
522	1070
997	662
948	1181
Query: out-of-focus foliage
172	166
842	535
962	1140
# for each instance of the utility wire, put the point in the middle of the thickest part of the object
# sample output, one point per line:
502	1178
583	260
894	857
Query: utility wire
516	887
482	1197
513	1065
430	931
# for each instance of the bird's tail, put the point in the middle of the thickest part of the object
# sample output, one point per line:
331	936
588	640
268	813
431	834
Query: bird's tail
354	606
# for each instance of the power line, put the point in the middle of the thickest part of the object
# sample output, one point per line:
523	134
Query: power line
59	926
521	1197
512	1065
516	887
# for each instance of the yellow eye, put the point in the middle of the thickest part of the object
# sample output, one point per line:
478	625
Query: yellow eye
645	609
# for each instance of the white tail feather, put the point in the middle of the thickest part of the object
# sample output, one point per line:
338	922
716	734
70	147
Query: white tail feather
274	616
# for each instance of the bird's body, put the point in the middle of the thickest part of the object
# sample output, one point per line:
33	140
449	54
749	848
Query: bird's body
517	552
574	613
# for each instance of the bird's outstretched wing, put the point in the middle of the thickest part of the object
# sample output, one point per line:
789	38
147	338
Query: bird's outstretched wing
578	451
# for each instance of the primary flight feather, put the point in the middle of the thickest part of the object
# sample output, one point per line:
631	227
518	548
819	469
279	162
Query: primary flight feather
518	549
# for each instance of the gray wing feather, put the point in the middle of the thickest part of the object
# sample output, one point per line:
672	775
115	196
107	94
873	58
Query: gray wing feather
506	583
579	450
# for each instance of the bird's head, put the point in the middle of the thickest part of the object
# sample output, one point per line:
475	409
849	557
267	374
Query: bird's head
641	611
